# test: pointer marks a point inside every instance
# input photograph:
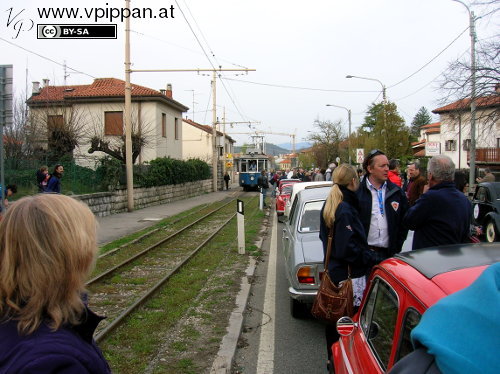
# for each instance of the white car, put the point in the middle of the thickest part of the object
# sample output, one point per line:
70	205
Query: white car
299	187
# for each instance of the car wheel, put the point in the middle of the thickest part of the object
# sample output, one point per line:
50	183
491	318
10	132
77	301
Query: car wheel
491	232
297	309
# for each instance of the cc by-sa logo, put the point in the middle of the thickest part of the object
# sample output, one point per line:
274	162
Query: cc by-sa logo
50	31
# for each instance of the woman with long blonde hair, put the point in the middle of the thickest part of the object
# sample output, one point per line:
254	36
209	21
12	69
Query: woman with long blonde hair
47	250
349	252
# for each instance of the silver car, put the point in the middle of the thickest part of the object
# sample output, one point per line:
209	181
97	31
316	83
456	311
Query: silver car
302	248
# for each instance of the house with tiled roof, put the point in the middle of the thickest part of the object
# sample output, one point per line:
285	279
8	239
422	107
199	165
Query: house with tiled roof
455	131
197	141
97	109
429	134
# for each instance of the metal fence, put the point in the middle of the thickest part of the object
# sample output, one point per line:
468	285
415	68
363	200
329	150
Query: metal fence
76	179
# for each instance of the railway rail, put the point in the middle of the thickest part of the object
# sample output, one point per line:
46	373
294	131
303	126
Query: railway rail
126	284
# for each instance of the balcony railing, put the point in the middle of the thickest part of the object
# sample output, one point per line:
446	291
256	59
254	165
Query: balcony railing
486	155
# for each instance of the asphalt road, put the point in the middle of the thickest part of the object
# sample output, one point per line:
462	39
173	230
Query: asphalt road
273	341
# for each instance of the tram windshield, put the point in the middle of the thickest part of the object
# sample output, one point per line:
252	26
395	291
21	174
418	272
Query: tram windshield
250	165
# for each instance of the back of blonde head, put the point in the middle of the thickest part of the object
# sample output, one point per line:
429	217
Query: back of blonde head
342	175
47	250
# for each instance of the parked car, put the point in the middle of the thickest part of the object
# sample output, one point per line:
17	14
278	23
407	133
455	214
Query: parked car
486	209
282	196
300	187
302	248
400	289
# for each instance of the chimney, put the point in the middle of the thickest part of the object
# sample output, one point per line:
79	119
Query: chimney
36	88
169	90
45	82
163	91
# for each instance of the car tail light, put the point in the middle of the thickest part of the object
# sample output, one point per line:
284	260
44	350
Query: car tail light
306	275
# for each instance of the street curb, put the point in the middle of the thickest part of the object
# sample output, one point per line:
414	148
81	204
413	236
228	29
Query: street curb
224	360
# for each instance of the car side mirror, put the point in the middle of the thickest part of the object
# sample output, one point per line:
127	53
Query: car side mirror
346	326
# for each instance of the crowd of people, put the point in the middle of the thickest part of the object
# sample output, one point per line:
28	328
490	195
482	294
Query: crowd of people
371	216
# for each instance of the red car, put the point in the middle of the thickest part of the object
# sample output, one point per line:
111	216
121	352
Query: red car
282	196
399	291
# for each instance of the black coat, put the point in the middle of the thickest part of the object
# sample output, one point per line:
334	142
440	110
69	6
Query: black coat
440	216
349	246
395	208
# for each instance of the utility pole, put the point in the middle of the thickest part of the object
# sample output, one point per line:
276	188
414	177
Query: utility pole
128	116
215	157
214	106
472	33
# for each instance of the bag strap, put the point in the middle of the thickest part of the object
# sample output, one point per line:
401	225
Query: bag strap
329	247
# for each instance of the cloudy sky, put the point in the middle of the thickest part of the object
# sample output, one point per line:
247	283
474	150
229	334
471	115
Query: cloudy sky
301	51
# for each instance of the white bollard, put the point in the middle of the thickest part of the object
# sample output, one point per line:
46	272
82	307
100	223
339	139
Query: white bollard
240	209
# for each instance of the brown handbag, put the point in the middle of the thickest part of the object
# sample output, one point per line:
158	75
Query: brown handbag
333	302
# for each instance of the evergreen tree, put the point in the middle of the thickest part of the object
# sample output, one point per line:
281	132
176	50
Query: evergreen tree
423	117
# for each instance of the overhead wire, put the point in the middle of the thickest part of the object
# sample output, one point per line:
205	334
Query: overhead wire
210	61
47	58
431	60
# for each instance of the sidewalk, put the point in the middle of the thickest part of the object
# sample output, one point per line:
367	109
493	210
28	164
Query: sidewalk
118	225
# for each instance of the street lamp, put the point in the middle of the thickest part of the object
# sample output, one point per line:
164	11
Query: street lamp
349	119
384	103
472	34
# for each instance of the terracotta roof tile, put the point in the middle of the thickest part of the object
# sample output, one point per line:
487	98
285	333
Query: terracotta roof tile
101	87
435	124
464	104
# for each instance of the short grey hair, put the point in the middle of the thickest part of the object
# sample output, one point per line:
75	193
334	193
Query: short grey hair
442	168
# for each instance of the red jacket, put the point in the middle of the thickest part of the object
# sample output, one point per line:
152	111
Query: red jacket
395	178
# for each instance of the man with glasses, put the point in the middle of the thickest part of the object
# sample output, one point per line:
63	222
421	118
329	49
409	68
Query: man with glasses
443	214
383	206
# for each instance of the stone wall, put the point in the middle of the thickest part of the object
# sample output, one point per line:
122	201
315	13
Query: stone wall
106	203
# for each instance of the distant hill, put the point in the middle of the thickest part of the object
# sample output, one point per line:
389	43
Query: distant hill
271	149
298	146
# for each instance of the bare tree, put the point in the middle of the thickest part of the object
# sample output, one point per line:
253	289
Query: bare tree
55	131
143	134
327	141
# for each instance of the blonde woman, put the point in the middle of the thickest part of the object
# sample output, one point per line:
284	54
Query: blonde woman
349	246
47	250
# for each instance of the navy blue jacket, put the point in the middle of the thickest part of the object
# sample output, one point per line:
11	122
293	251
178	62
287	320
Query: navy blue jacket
440	216
69	350
54	184
395	208
349	241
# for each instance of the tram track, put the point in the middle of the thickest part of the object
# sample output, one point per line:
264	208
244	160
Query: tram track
123	288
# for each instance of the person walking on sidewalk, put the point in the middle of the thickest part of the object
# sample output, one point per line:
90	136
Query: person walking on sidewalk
227	178
263	184
54	183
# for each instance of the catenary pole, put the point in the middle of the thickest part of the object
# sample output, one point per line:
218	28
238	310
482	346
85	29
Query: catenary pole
128	117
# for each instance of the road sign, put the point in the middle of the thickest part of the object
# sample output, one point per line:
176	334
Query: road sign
360	155
432	148
229	164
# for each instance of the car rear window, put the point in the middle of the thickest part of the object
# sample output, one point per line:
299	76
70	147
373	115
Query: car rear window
287	190
310	219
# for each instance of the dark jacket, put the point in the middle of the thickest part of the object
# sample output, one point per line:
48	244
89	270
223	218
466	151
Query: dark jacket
395	207
69	350
440	216
415	188
54	184
349	241
262	181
